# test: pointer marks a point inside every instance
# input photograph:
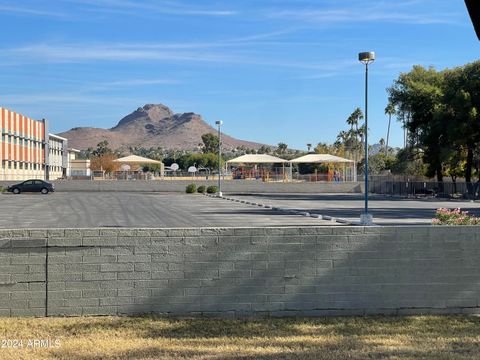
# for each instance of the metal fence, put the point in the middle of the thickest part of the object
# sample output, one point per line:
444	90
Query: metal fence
424	188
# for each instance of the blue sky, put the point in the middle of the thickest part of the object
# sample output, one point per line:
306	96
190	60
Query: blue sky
272	70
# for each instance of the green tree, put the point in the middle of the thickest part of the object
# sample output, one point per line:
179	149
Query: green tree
455	166
349	142
354	119
420	94
209	161
462	97
210	143
442	118
102	149
281	148
332	149
85	154
377	163
264	150
409	161
382	144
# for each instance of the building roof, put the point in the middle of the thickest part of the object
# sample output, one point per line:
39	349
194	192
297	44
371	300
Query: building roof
256	159
320	158
135	159
57	137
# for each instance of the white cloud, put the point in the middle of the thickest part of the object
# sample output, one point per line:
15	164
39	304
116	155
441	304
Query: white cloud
317	76
393	12
140	82
85	53
23	10
59	98
75	53
159	7
128	83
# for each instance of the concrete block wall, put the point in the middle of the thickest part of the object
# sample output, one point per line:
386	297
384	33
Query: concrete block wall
229	186
240	271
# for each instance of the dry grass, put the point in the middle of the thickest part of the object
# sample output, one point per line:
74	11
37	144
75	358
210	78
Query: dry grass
421	337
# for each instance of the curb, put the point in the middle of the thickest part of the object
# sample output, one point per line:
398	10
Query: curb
288	211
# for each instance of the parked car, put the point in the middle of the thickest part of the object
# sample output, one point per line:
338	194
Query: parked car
32	186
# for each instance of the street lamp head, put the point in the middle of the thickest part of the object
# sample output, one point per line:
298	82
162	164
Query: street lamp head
219	122
366	57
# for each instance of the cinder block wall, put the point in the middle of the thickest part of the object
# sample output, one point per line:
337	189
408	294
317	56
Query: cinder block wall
231	186
240	271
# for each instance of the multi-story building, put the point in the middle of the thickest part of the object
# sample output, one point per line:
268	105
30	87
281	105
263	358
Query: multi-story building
22	147
28	151
57	157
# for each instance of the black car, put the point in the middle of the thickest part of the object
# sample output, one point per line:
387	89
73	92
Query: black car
32	186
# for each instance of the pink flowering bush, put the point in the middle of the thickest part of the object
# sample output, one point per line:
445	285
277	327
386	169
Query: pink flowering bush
454	217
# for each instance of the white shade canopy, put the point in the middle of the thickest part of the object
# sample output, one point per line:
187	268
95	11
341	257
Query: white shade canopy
320	158
135	159
256	159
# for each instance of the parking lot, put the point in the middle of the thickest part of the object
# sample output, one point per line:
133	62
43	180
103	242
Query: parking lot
385	210
128	209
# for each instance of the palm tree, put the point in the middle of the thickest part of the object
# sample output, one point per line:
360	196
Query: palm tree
342	139
282	148
361	132
354	118
382	144
355	132
389	110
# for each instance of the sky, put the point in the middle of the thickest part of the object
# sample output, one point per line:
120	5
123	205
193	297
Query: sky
272	70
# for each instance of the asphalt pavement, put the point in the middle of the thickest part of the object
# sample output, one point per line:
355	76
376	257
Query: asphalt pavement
124	209
385	210
167	210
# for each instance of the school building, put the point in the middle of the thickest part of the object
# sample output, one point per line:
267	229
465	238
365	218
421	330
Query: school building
28	150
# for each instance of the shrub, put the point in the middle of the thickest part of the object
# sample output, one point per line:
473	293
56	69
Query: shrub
454	217
191	188
201	189
212	189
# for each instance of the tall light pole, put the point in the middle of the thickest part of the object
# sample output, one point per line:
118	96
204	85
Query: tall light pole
219	123
366	58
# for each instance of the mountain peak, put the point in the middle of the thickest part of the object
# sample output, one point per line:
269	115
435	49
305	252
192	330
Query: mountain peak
149	113
152	125
156	107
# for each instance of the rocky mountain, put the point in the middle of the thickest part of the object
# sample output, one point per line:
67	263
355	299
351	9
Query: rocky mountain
152	126
378	148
